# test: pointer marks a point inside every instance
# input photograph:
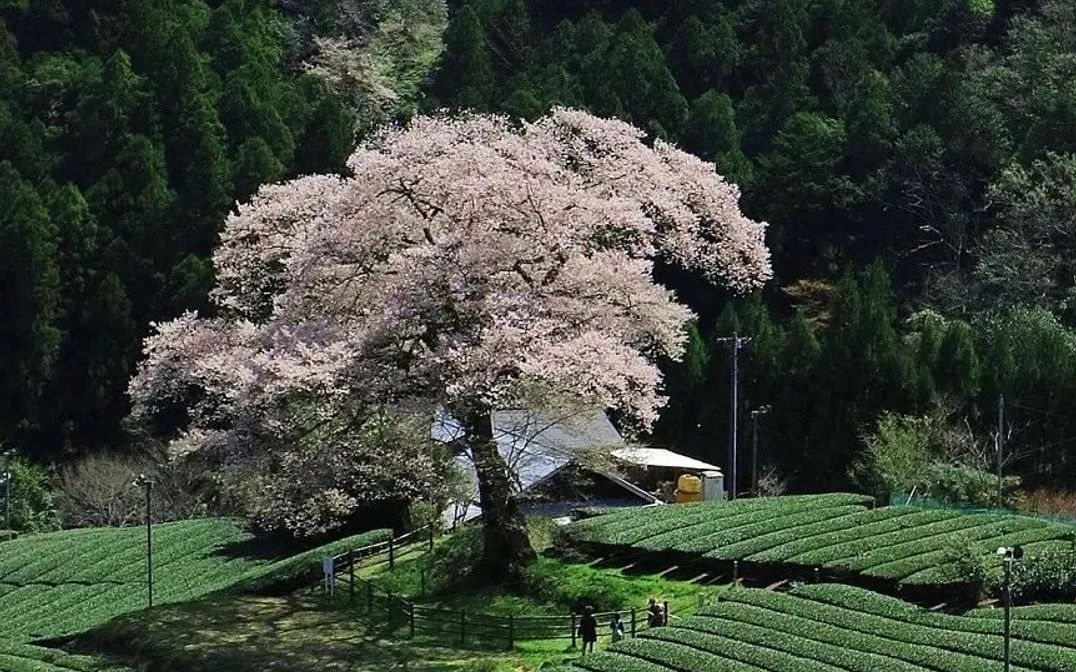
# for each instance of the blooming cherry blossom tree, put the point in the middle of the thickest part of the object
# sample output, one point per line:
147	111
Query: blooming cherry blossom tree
462	262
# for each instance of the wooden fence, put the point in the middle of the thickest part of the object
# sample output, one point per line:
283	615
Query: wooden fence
461	625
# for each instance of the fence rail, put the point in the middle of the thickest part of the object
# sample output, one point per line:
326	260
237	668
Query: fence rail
464	626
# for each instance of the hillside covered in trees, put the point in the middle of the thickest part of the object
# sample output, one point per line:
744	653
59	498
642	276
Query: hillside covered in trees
916	163
128	130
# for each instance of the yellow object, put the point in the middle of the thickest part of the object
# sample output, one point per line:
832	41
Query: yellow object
689	484
688	489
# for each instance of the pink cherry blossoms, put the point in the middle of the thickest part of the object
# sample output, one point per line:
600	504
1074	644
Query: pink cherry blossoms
461	260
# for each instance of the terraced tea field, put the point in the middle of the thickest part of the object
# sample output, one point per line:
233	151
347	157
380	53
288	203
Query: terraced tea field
58	584
836	532
27	658
834	628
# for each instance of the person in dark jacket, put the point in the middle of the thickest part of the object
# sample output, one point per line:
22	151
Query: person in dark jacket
655	615
588	629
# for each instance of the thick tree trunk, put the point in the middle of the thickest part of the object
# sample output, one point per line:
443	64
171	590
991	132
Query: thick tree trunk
507	548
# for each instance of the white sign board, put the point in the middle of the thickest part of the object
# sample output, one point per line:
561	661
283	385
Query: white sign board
328	567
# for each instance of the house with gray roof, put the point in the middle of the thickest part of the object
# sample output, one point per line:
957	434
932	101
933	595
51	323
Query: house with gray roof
559	463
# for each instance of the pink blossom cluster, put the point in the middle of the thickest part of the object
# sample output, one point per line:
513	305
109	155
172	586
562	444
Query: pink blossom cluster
460	260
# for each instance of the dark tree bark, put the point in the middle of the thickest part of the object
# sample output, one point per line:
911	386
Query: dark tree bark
507	548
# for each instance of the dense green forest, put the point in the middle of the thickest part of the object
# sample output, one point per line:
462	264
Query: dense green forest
933	137
128	129
915	161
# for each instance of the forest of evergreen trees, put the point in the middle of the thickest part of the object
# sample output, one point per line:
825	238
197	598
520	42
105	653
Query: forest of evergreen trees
916	162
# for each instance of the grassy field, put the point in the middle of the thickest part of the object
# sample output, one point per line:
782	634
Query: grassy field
54	585
908	545
834	628
295	633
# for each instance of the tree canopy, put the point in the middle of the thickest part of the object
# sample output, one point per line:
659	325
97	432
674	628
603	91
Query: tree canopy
462	263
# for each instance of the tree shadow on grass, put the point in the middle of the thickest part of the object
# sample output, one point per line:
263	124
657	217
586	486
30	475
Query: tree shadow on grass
288	634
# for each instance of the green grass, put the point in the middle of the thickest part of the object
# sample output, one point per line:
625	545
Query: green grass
295	633
59	584
833	628
837	532
546	587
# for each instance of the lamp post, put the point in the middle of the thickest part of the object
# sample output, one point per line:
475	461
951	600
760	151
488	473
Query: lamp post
144	481
6	477
1009	555
762	410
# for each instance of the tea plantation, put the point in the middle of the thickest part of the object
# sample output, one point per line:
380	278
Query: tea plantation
836	532
58	584
27	658
834	628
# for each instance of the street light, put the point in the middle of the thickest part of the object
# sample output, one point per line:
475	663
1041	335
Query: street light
144	481
6	478
1009	555
762	410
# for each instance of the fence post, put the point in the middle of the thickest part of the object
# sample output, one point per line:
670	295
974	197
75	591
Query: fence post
735	571
463	627
573	631
818	575
665	613
411	618
351	577
369	597
511	632
633	610
392	552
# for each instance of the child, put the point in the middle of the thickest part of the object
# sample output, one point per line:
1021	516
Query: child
617	626
588	629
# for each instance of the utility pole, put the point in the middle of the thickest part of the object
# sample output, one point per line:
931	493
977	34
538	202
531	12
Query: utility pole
146	482
737	342
999	442
754	447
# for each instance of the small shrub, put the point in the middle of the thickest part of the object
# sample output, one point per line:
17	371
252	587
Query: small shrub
967	562
1047	576
954	484
422	513
33	507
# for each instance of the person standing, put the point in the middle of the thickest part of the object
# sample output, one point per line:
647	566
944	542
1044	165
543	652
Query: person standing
617	626
655	615
588	629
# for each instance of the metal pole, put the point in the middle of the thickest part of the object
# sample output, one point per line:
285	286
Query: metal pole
351	577
754	453
1000	441
1008	606
733	425
149	541
7	505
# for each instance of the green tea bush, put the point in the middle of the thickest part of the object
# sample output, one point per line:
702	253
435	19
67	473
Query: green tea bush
1049	575
835	628
905	544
